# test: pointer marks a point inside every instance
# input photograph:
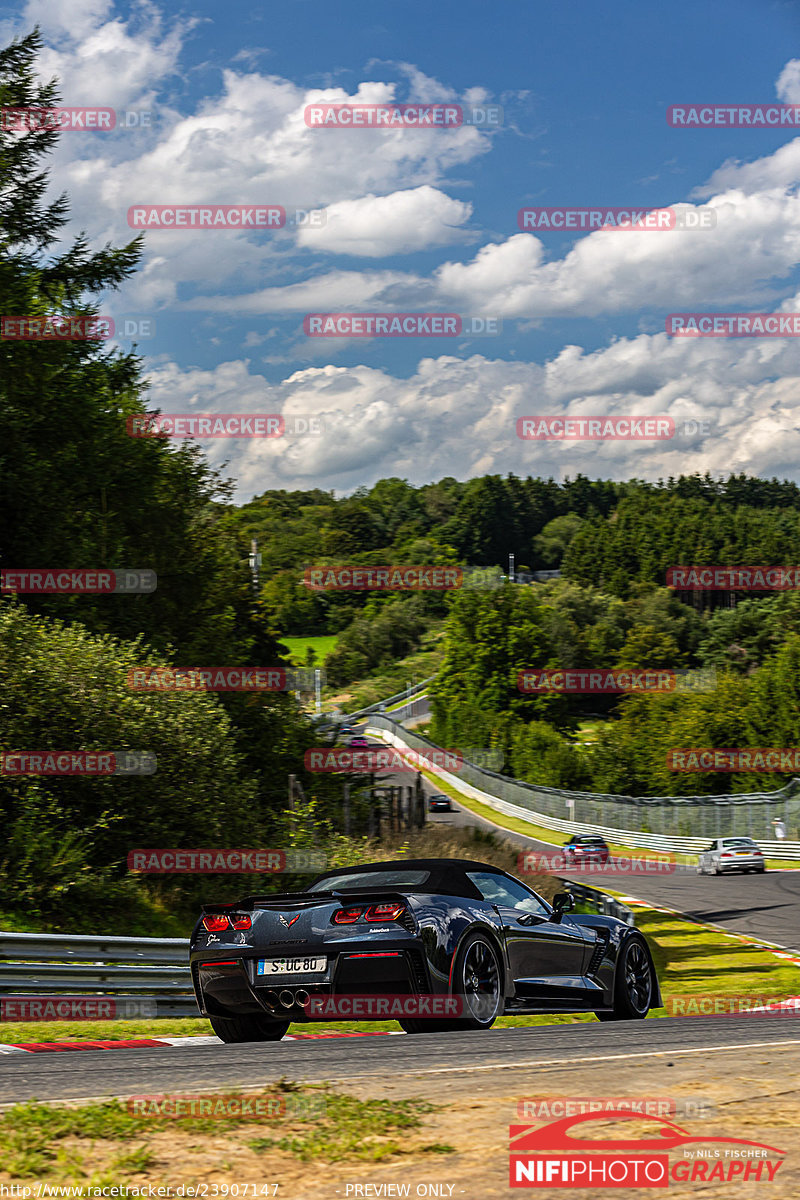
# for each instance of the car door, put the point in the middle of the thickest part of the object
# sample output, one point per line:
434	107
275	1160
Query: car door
546	957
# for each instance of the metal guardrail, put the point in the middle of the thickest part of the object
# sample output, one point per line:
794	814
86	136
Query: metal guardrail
153	972
603	903
711	816
382	704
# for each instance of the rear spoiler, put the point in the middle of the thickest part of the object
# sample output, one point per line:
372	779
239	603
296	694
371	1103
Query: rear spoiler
306	899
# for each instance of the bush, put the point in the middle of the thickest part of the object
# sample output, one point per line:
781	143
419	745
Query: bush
64	688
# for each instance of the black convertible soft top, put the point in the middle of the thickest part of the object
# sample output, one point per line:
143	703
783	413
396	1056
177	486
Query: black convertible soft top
446	876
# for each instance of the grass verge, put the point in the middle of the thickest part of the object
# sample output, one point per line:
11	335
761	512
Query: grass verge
94	1144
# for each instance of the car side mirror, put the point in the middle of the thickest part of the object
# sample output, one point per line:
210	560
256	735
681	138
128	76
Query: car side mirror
562	902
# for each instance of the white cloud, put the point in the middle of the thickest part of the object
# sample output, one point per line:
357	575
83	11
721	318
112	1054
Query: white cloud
373	226
454	411
101	60
788	84
757	237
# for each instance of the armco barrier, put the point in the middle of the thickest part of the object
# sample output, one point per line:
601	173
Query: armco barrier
345	718
687	823
153	970
602	902
374	708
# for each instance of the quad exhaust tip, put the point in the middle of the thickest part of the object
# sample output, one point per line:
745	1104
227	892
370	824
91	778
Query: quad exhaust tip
302	996
286	998
271	998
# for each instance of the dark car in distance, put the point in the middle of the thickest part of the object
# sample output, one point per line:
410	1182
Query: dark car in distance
440	803
463	933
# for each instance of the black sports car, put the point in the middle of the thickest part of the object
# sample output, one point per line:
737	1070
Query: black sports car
450	932
438	802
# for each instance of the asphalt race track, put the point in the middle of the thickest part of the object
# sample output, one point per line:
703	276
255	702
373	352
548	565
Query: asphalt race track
765	906
97	1074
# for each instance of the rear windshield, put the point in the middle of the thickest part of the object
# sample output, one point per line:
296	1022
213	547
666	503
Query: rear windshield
371	879
590	841
738	842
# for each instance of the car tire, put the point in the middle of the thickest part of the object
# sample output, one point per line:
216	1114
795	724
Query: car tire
477	962
717	869
252	1028
411	1025
632	994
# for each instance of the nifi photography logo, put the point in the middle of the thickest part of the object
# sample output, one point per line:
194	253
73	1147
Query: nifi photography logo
556	1155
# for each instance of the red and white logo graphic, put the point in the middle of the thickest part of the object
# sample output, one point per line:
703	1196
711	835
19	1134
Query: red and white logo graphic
553	1156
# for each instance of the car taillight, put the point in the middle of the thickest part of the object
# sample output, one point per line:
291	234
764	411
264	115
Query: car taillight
384	912
240	921
347	916
755	851
215	923
726	854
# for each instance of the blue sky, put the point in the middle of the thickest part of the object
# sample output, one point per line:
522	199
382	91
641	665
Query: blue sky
426	221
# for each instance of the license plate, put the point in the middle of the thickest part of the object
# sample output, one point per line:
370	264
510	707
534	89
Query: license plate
291	966
744	853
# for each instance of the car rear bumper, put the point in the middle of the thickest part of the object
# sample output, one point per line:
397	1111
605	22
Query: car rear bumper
232	987
741	864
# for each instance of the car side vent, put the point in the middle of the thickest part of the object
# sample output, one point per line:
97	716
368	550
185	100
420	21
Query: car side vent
408	922
598	954
419	975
